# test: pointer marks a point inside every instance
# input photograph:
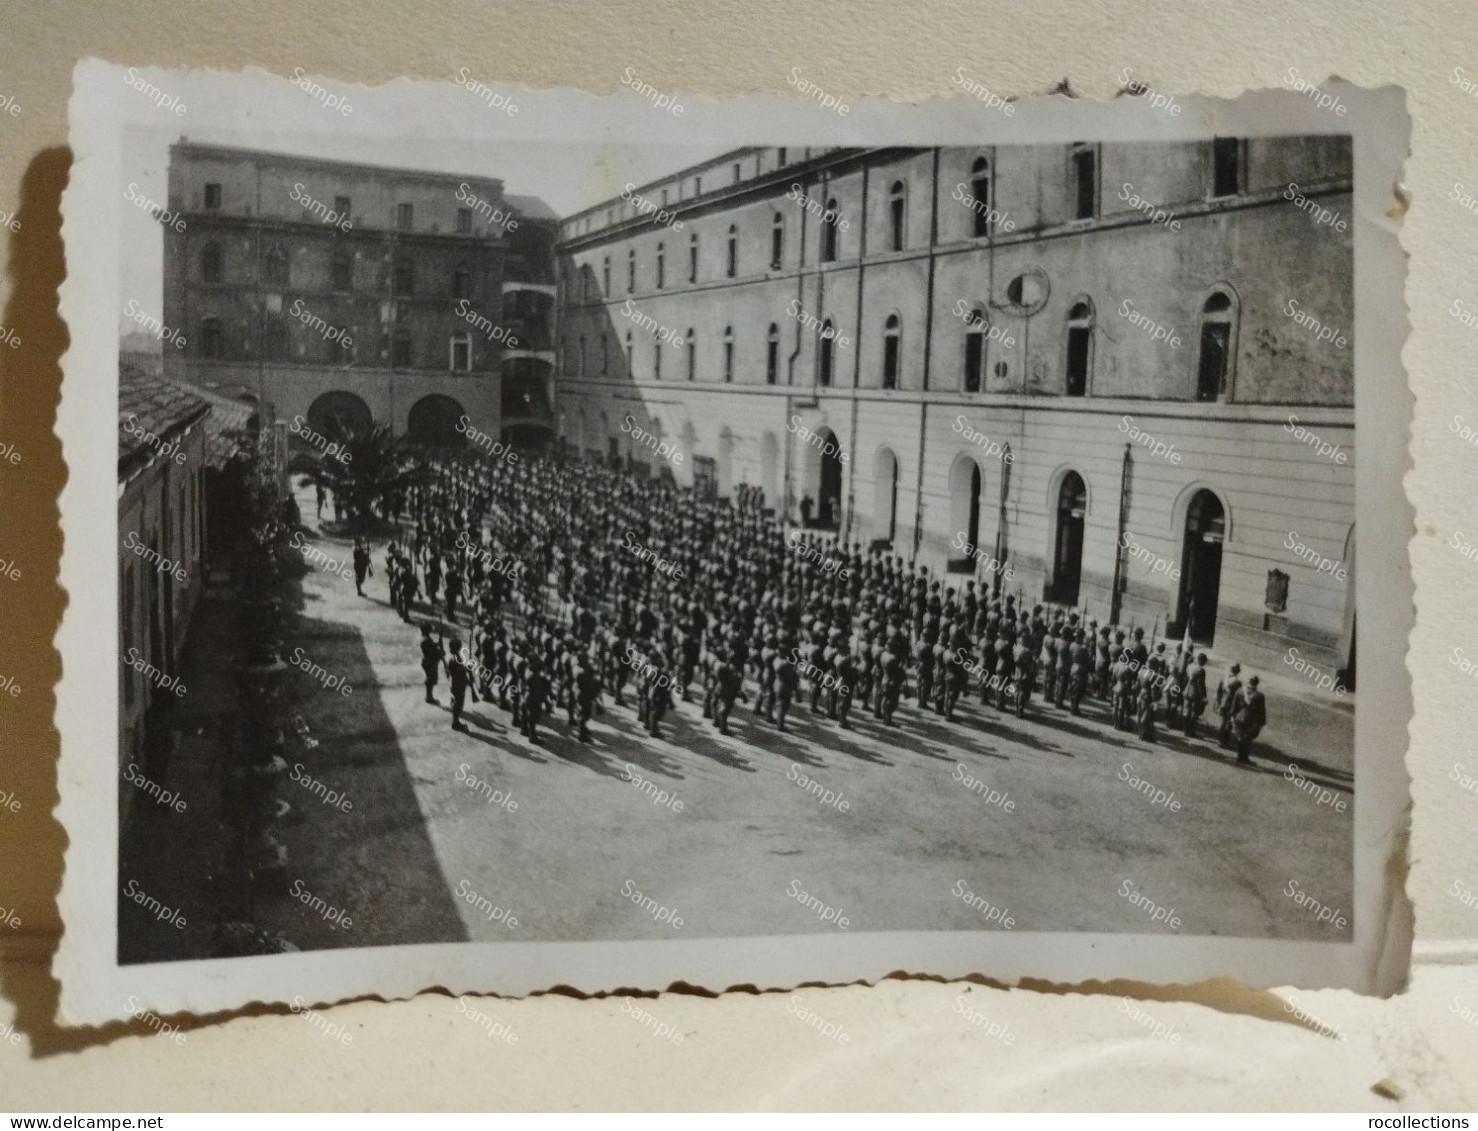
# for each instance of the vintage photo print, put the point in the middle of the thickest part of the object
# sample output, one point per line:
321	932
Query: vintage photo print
612	541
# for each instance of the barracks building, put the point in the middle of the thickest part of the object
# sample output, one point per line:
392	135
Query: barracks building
343	292
1115	376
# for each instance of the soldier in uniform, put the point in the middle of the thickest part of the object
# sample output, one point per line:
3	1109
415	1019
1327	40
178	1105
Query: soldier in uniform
362	566
457	673
432	659
409	587
535	694
785	685
1249	716
1195	694
1226	701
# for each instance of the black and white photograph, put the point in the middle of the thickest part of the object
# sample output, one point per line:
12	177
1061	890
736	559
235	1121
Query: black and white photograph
625	540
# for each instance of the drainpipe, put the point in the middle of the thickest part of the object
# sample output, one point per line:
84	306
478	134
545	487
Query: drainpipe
800	296
857	357
918	522
1115	597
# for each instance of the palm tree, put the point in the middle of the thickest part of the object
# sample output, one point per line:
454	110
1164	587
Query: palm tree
368	466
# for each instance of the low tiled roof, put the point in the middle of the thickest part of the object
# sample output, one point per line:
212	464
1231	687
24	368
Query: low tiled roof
227	429
165	408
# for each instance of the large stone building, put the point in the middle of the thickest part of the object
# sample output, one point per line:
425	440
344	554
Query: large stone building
1106	367
351	292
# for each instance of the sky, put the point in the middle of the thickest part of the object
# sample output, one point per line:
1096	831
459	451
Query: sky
566	176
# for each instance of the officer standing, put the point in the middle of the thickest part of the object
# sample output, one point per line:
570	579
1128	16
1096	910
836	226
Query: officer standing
432	659
460	677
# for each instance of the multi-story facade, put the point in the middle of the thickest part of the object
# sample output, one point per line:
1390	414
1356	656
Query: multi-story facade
1107	368
339	291
163	445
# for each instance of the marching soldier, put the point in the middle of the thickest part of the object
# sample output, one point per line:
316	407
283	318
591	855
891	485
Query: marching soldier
362	566
1249	717
460	677
1195	694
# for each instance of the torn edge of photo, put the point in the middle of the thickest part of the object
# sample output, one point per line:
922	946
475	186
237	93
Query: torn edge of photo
608	542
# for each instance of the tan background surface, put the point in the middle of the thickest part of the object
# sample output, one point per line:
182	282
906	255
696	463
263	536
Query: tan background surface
908	1045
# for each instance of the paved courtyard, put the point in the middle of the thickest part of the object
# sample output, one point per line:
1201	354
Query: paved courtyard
1075	839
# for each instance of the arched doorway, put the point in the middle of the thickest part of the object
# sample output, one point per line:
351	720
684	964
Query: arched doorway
433	422
966	484
1200	569
885	496
340	414
1067	565
829	486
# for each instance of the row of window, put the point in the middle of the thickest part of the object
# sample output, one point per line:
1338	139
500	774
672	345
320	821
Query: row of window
1226	181
277	273
1213	375
337	347
405	214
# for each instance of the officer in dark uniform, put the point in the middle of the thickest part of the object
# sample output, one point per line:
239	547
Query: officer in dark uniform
362	566
460	677
1248	718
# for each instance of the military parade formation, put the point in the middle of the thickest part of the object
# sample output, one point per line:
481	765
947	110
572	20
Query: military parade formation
577	584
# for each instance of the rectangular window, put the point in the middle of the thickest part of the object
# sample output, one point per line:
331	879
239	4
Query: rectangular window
405	279
657	361
1077	360
213	195
1086	173
341	206
1226	159
404	217
732	268
736	172
697	186
772	362
777	246
782	155
461	353
402	352
896	223
343	273
464	220
692	262
974	360
890	362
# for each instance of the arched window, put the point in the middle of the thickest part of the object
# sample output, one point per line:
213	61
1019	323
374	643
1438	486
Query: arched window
895	216
605	276
210	263
404	278
728	354
605	357
276	267
731	267
692	340
973	378
212	339
892	343
629	354
693	258
777	241
980	190
772	355
631	270
1079	348
824	353
661	264
1085	181
1214	370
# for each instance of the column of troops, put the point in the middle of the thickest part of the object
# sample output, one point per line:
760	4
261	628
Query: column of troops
583	581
